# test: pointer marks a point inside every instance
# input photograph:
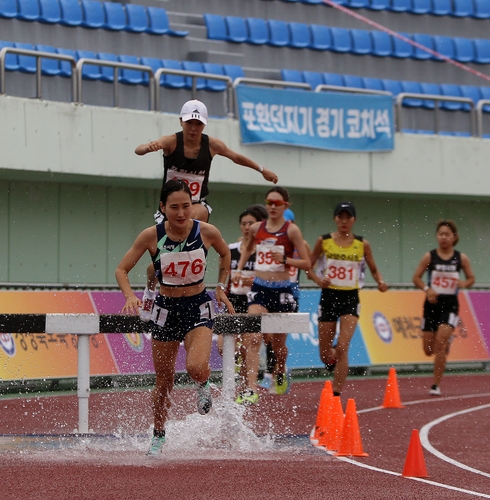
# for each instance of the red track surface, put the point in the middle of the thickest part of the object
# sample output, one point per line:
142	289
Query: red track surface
107	468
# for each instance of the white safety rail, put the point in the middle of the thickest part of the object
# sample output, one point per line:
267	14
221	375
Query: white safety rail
85	325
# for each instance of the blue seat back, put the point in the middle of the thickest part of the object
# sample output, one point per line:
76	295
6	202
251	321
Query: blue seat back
173	81
393	86
379	4
115	17
430	89
27	64
214	69
136	18
421	7
413	88
278	33
372	83
401	48
28	10
132	76
444	45
453	91
300	35
71	13
234	71
12	60
464	50
381	43
400	5
321	38
201	83
93	14
50	67
9	9
482	50
155	64
341	40
107	72
353	81
258	32
426	41
333	79
361	41
462	8
482	9
471	91
216	27
358	4
236	29
292	75
49	11
157	21
441	7
89	71
314	78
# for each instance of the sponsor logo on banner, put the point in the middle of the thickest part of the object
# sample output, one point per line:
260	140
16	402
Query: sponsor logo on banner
135	341
382	327
8	344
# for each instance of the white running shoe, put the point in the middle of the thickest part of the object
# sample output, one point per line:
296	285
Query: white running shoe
204	399
435	390
145	309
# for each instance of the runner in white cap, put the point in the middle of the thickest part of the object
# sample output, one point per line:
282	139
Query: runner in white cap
187	156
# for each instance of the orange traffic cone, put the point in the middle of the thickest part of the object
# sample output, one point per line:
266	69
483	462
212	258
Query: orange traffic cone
350	441
324	409
415	463
330	439
392	393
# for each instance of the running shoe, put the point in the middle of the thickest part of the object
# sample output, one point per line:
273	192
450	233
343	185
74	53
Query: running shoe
281	384
266	382
247	398
204	399
330	364
148	299
435	390
156	446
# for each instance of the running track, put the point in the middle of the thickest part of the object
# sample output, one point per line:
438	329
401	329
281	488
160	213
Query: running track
219	457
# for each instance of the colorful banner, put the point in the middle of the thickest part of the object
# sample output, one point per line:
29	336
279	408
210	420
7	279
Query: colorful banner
388	333
324	120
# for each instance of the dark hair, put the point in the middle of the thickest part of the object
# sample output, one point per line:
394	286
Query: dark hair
451	225
173	186
257	210
282	191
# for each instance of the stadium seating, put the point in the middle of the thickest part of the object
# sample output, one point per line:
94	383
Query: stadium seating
341	40
482	9
107	72
49	67
214	69
234	71
136	18
421	7
131	76
300	35
361	41
278	33
71	12
49	12
321	38
258	32
93	14
158	23
216	27
194	66
115	16
482	51
426	41
381	44
313	78
28	10
9	9
236	29
27	64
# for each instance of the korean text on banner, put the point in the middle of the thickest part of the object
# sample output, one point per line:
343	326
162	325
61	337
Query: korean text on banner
324	120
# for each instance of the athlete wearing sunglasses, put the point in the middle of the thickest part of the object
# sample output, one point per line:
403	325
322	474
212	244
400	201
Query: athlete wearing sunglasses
274	240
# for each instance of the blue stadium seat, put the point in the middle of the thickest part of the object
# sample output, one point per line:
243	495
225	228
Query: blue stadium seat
441	7
444	45
234	71
136	18
300	35
27	64
430	89
381	43
201	83
393	86
216	27
353	81
313	78
71	13
65	66
28	10
421	7
49	11
358	4
400	5
313	2
50	67
462	8
292	75
464	50
471	91
214	69
449	89
131	76
12	60
482	51
372	83
115	17
89	71
333	79
236	29
413	88
258	32
361	41
9	9
93	14
341	40
482	9
158	23
321	38
278	33
379	4
107	72
485	94
173	81
401	48
155	64
426	41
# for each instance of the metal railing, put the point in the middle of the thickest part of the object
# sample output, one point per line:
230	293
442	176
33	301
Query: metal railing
437	99
352	90
479	115
38	55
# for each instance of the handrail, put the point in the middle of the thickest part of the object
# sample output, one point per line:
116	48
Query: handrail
437	98
116	65
479	115
38	55
195	75
353	90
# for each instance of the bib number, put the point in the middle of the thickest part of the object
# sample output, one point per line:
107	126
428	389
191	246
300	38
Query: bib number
264	260
342	273
444	283
183	268
194	182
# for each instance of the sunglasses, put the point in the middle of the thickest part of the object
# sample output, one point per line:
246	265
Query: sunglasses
276	203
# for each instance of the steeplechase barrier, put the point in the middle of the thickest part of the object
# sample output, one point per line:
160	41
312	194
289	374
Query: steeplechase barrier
85	325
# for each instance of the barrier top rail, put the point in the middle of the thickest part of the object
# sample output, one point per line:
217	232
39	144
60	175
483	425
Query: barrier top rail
479	115
38	55
353	90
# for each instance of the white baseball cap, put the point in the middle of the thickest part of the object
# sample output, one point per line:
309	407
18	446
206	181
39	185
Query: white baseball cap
194	110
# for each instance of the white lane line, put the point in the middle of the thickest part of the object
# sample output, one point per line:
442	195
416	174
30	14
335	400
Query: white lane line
424	439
